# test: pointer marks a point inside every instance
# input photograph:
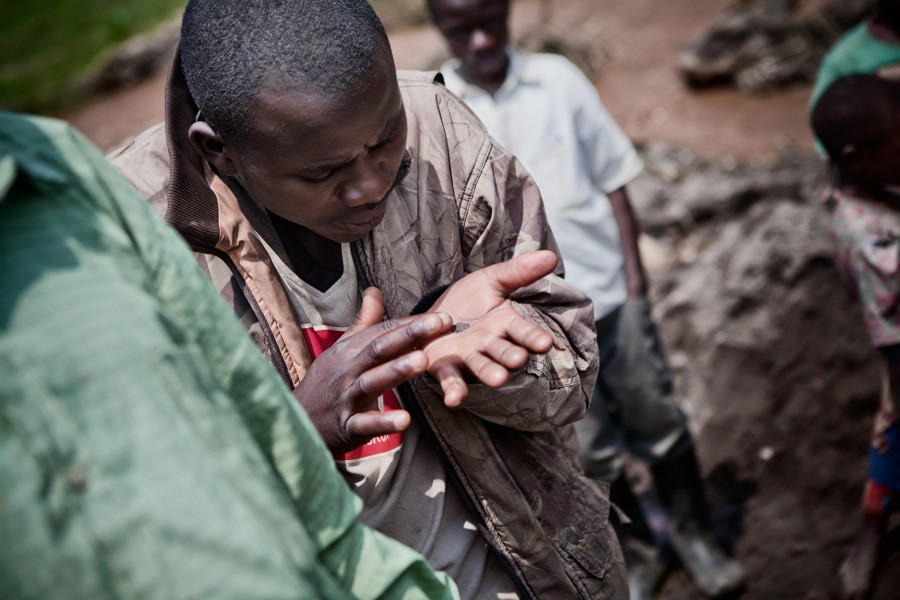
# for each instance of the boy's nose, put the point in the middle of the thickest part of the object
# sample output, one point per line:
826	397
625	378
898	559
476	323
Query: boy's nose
370	184
481	40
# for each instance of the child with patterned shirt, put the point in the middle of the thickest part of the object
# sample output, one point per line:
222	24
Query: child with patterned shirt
858	121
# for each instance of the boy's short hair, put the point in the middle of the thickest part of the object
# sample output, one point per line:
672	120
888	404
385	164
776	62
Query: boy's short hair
856	109
889	12
231	48
429	6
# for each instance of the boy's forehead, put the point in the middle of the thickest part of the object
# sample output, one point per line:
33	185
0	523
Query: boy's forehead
285	118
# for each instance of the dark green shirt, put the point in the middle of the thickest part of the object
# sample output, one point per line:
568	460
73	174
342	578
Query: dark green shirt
858	51
147	450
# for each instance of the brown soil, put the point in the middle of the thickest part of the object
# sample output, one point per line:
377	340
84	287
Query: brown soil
771	361
114	118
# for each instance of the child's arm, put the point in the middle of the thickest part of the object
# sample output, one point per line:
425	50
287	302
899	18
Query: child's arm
629	231
890	398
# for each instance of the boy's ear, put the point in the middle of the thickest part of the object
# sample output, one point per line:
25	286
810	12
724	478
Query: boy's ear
850	158
213	148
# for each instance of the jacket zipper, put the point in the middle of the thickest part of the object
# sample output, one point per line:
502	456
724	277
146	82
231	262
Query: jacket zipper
271	344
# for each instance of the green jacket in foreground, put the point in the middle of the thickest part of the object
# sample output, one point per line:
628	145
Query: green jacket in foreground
147	450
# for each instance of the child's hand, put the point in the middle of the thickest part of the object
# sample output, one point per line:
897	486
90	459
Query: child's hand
341	389
491	338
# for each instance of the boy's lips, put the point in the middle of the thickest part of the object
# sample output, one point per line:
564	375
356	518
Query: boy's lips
370	219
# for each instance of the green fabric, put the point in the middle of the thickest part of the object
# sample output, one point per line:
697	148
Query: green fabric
856	52
147	450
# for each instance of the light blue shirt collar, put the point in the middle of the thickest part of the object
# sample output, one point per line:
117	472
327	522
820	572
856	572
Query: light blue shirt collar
517	74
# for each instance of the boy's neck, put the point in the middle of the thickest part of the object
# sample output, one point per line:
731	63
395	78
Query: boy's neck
315	260
488	85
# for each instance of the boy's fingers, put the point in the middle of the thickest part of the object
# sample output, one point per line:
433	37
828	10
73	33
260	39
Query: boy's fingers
383	377
510	356
486	370
452	384
521	271
404	334
411	333
528	335
366	425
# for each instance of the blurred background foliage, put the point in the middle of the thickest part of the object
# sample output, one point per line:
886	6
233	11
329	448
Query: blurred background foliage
50	48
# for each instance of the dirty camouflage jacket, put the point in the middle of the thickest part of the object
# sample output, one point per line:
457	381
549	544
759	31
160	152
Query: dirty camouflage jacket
452	213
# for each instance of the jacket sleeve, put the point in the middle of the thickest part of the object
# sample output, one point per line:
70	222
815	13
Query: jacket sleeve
503	216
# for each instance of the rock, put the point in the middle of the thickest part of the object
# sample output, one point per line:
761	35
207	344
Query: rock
677	192
136	59
757	50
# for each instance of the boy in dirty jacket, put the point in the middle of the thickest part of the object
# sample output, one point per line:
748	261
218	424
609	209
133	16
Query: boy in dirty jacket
303	170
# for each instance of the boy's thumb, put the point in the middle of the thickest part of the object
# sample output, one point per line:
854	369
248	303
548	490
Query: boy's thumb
371	311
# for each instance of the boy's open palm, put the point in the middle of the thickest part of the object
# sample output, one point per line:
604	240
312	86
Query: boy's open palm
492	338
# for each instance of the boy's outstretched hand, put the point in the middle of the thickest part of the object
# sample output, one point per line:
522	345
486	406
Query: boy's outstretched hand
492	339
341	389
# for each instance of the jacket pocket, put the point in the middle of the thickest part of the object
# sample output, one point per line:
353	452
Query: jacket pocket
586	537
573	511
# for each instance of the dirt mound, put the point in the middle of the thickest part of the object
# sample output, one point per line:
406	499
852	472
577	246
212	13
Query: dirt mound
771	358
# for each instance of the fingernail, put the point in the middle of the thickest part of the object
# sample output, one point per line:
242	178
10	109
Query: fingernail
416	361
431	322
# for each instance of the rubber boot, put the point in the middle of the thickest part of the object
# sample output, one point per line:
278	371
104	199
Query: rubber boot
643	560
680	490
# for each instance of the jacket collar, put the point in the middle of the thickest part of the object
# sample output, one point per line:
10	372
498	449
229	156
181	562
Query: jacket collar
191	205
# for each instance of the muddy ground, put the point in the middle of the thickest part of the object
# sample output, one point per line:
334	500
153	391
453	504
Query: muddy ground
767	346
771	359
